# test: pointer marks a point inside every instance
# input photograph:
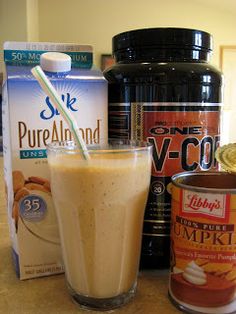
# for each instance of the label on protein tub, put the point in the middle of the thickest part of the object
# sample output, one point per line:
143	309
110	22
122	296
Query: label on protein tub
185	137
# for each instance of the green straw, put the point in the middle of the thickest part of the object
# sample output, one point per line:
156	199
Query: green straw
55	98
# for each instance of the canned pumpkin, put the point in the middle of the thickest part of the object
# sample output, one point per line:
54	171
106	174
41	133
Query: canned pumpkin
203	242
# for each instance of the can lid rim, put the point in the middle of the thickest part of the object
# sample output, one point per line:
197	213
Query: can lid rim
203	189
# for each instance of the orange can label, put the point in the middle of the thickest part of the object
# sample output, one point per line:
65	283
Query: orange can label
203	242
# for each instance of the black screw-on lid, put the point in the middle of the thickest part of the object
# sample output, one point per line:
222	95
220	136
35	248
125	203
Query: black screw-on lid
174	40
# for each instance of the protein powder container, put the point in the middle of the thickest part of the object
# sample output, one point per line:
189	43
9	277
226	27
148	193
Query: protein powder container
163	90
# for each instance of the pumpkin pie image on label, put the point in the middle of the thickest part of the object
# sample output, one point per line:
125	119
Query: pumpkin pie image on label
198	287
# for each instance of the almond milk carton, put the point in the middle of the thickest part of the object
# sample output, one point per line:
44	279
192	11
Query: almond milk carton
30	122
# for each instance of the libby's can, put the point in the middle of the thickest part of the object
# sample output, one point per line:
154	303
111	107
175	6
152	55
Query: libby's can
162	89
203	242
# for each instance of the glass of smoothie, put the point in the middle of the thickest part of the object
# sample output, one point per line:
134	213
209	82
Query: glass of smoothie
100	206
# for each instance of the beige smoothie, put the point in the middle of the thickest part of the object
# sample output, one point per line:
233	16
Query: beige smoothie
100	205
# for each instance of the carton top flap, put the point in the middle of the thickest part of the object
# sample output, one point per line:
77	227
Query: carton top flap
46	46
30	52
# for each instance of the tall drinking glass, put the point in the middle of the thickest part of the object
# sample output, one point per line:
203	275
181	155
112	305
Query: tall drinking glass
100	206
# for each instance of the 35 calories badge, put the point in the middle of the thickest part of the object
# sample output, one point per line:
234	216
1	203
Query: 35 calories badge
206	205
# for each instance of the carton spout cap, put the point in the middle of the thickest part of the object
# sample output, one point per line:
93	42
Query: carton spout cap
55	62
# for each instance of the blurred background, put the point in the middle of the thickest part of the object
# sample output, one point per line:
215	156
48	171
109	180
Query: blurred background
95	22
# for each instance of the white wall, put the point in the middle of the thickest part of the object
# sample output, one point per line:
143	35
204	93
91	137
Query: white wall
13	24
18	22
96	21
32	20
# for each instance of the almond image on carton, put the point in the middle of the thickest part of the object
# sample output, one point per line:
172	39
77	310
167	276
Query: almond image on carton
24	187
18	180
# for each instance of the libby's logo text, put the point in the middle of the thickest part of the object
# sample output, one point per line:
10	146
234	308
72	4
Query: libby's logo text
197	204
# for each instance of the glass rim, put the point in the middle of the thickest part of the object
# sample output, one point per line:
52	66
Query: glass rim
112	145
